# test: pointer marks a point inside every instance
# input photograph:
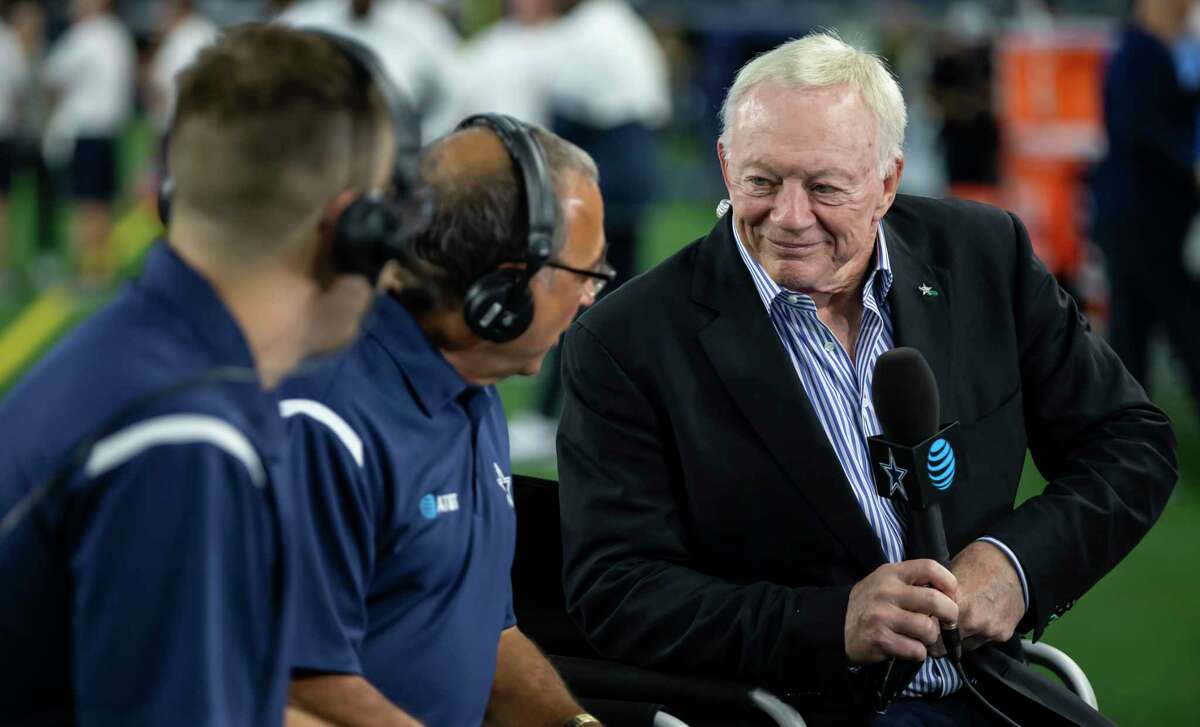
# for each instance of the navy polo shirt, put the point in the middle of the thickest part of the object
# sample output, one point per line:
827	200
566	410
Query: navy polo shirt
412	525
150	587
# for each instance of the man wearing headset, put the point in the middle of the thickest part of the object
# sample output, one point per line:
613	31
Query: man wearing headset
406	449
149	577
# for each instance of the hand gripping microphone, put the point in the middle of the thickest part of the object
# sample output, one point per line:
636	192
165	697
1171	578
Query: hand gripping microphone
915	458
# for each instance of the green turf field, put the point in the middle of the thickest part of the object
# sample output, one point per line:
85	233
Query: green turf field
1137	634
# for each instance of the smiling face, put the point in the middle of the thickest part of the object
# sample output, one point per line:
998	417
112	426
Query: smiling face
801	169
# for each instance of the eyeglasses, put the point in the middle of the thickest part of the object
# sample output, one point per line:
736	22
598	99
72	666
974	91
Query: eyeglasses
597	279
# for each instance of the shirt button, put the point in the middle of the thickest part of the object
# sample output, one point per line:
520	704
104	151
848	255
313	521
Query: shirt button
794	298
829	346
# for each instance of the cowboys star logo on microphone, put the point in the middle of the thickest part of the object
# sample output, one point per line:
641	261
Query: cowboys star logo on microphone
895	475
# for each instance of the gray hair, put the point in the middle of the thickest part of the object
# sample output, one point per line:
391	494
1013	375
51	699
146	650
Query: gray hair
823	59
563	160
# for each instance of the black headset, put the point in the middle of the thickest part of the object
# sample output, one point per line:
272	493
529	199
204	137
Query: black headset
374	228
498	306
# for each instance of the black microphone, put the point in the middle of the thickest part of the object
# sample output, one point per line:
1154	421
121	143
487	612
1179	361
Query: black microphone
915	456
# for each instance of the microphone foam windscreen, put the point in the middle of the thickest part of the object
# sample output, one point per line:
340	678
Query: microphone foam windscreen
905	394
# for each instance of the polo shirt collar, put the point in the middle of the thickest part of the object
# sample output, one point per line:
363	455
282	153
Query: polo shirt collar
431	378
174	283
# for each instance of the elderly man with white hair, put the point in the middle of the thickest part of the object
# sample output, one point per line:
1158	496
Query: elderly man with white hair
718	508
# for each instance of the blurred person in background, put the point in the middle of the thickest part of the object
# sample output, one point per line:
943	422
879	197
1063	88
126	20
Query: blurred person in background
432	20
1187	61
27	21
21	44
90	75
595	70
506	68
14	78
399	33
960	91
183	33
1146	190
405	446
150	575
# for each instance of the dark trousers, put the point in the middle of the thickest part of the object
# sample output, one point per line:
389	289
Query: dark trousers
958	710
1152	292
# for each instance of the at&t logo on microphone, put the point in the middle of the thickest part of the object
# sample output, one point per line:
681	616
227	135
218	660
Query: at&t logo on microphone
940	465
922	474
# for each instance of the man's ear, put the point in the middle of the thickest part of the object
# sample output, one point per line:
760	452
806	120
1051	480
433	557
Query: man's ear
723	159
334	210
321	253
891	184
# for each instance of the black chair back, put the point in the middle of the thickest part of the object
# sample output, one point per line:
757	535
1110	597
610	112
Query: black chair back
538	600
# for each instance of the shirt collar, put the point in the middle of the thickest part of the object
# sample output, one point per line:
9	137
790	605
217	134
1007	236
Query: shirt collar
879	280
431	378
168	278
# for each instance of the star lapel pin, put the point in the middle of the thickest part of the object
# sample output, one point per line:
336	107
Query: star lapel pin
927	290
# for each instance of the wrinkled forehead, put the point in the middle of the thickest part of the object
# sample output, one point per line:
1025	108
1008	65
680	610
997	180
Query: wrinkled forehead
819	124
771	108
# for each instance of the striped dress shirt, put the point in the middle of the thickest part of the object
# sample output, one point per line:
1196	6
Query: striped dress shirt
839	390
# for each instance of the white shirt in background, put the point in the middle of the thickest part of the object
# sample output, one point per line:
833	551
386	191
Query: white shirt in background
407	50
13	77
178	49
506	69
423	20
93	67
611	70
440	41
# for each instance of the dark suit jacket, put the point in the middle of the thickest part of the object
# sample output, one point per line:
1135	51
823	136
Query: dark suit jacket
707	525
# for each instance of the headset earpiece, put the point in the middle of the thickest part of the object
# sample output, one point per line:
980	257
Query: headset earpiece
498	306
166	190
360	243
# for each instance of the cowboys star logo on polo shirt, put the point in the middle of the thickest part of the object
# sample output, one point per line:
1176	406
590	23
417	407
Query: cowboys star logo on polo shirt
505	483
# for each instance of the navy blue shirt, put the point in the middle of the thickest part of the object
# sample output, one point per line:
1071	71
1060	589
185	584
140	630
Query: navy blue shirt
412	526
149	588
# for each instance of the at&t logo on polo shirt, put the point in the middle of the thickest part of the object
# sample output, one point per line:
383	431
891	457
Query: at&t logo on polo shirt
434	505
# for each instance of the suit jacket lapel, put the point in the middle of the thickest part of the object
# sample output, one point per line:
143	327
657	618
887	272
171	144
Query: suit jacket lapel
921	301
745	350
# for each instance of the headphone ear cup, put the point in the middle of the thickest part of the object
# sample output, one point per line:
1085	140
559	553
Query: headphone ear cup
498	306
363	237
166	193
